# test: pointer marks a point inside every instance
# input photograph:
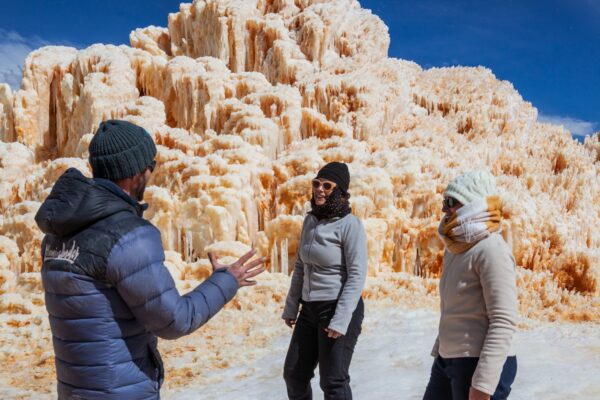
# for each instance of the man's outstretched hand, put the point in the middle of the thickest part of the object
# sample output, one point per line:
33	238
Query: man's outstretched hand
241	270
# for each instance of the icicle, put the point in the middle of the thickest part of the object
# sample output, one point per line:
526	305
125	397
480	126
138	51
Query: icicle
178	244
189	246
274	259
17	268
417	270
284	256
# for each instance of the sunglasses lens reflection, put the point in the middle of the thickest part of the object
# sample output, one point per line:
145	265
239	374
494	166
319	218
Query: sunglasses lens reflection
326	185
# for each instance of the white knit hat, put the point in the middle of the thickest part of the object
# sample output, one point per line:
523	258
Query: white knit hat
471	186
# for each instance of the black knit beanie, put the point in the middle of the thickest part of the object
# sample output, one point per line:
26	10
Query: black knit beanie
120	150
336	172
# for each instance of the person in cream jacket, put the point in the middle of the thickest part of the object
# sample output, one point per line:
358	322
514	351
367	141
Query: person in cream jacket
473	352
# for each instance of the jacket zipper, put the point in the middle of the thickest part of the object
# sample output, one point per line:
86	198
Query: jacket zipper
308	256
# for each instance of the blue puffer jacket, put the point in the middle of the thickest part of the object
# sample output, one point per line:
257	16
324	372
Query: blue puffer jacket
108	294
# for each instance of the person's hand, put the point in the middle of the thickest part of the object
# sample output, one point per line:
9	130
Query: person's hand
475	394
333	334
290	322
241	271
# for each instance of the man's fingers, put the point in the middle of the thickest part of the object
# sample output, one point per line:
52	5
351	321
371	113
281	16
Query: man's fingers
211	258
251	274
213	261
254	272
243	272
255	263
242	260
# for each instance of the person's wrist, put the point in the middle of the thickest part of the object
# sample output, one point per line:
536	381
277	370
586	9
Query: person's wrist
477	394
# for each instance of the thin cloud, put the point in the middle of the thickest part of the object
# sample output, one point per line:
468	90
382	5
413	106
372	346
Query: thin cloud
577	127
14	49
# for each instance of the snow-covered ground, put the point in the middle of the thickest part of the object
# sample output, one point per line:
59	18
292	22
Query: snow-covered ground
391	361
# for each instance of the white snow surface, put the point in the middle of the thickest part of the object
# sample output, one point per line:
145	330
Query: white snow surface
556	361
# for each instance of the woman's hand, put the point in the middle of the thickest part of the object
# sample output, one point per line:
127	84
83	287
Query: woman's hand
333	334
475	394
290	322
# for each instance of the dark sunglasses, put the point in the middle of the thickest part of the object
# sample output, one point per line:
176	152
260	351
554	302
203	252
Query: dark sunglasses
152	166
327	186
450	202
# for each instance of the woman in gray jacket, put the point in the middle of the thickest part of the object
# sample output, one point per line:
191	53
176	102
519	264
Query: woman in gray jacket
328	278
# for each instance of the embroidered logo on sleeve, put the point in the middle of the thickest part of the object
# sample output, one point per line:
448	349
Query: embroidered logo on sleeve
64	254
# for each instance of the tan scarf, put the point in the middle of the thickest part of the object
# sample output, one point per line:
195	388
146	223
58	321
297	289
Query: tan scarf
471	223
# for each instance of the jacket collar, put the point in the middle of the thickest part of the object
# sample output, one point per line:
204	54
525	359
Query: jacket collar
116	190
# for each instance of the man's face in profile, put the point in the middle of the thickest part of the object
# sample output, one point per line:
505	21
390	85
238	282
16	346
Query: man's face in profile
140	182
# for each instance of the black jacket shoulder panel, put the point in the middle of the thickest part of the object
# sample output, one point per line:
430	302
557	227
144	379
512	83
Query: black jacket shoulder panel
83	221
76	203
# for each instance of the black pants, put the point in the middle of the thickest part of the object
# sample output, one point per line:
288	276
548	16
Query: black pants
310	345
451	378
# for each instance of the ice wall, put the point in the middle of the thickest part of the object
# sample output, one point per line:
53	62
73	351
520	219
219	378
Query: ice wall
246	100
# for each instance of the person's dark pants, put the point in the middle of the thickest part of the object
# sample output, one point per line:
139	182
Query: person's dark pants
451	378
310	345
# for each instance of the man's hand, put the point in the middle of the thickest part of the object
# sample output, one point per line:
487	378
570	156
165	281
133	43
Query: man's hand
333	334
290	322
475	394
241	271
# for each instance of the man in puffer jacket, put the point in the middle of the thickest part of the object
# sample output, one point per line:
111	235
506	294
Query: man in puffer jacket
108	293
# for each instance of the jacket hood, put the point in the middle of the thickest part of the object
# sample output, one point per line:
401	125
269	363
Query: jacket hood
77	202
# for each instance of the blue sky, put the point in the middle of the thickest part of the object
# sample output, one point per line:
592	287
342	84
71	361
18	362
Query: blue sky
548	49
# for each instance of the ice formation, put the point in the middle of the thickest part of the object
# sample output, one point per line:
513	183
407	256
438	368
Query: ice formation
246	99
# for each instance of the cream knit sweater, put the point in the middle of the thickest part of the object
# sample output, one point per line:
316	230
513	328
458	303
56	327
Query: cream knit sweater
479	308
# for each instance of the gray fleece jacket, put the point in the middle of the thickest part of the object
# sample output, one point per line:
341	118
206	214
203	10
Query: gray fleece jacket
331	264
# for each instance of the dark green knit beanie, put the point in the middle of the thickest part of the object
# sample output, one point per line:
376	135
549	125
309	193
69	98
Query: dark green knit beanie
120	150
